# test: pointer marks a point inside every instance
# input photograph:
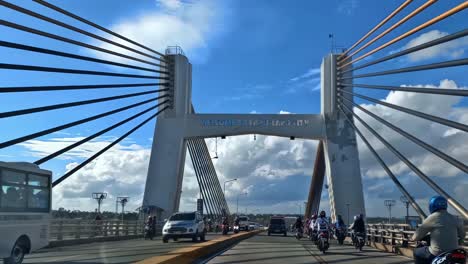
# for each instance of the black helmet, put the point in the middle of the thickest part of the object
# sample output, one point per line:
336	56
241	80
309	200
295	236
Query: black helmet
323	214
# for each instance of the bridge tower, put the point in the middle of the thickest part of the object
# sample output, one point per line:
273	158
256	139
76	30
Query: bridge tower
166	167
342	167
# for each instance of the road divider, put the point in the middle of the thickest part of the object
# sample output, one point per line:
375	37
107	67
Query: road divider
199	250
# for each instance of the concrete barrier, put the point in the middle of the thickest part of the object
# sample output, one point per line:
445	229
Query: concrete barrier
197	251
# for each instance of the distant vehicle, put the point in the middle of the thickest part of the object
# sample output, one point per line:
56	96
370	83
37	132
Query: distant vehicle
184	225
277	226
253	226
244	223
25	207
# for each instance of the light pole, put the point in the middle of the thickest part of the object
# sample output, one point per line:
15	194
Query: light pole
389	204
305	208
405	200
224	189
122	200
237	207
347	205
99	197
300	208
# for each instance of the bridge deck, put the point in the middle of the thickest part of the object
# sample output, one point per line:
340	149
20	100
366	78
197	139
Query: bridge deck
124	251
279	249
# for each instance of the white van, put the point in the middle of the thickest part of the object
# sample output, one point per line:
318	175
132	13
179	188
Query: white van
25	202
184	225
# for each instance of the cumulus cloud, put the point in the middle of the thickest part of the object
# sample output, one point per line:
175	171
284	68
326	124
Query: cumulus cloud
443	138
310	80
190	25
453	49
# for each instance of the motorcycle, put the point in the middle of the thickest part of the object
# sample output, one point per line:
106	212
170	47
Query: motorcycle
236	229
340	235
299	233
149	234
225	229
359	240
457	256
313	236
322	242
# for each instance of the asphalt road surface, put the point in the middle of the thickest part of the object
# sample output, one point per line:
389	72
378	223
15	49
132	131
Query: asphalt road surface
125	251
277	249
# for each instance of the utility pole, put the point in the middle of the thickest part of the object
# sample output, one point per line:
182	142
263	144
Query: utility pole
224	189
389	204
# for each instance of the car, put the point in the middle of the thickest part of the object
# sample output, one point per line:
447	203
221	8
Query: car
244	223
184	225
253	226
277	226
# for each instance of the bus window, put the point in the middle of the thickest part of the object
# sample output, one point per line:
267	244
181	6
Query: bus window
13	197
38	198
38	180
9	176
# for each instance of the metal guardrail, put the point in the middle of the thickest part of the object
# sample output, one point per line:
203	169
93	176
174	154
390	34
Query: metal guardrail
75	229
395	234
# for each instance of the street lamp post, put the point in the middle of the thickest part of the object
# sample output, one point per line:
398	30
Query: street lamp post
389	204
405	200
347	205
237	207
224	189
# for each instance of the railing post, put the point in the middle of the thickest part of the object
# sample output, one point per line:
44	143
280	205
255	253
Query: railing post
78	230
60	230
117	229
106	228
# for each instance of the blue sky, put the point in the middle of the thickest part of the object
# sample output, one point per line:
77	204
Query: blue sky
247	56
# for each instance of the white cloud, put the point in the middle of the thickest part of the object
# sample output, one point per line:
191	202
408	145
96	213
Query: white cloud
348	7
308	74
190	25
309	81
452	49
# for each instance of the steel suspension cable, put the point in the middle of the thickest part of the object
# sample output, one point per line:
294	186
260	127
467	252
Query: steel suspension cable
441	90
71	104
215	177
21	89
422	46
75	42
414	139
385	20
198	174
72	28
67	13
20	67
71	55
406	18
208	178
414	112
431	66
75	169
424	25
95	135
207	161
392	176
72	124
457	206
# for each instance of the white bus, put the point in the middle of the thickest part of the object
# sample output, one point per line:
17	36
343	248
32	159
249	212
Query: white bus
25	206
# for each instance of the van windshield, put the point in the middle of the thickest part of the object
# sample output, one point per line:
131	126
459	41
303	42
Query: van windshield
277	221
243	218
183	217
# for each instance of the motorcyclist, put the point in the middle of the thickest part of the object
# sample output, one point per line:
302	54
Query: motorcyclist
339	223
358	226
312	227
321	223
236	221
298	225
446	232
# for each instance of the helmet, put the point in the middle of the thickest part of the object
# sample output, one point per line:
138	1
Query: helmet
322	214
437	203
356	217
314	216
339	216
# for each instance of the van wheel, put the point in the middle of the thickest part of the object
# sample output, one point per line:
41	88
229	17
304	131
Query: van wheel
17	254
195	237
202	237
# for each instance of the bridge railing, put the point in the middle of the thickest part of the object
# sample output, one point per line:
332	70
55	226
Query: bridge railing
396	234
76	229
